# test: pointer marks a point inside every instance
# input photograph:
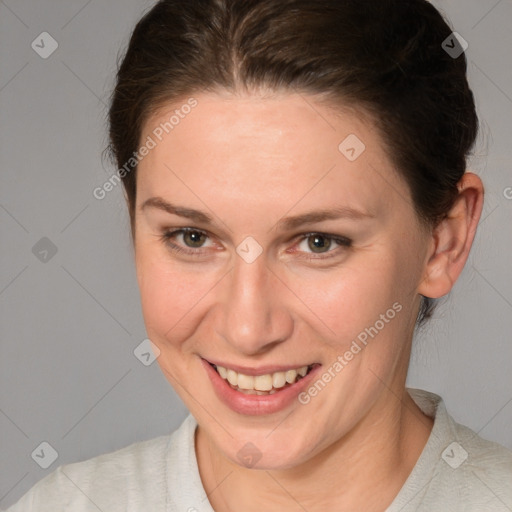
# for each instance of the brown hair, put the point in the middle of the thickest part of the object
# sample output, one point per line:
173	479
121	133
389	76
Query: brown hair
384	56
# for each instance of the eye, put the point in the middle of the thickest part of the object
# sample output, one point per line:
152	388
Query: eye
321	243
193	239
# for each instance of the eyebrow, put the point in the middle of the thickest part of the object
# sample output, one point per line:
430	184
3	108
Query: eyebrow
287	223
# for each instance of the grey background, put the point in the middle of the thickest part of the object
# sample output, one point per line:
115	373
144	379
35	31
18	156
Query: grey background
69	326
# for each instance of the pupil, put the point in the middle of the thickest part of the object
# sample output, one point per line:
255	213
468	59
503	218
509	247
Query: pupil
319	242
194	237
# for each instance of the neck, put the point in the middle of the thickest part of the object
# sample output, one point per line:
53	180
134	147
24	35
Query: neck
363	470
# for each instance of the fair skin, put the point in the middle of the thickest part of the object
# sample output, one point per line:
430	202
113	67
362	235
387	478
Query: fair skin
247	161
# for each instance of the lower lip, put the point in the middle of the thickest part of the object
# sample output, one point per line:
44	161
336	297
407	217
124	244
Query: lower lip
256	405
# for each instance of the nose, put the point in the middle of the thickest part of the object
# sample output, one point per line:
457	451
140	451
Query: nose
255	316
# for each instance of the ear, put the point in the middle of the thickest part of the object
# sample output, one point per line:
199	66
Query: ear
452	238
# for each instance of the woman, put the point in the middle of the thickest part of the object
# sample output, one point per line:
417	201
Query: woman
295	174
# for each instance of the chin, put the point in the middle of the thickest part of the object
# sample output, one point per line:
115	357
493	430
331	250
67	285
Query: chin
267	452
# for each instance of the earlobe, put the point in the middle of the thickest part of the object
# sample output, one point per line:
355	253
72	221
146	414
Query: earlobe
452	239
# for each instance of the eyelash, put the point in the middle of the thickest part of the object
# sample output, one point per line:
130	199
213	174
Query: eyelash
168	235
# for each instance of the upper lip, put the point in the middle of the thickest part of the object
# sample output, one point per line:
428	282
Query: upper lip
261	370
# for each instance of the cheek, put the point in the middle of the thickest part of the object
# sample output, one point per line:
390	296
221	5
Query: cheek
352	297
362	312
170	297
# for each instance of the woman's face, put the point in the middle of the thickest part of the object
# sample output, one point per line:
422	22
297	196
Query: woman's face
303	250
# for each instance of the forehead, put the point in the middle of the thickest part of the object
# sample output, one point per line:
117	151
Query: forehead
278	124
287	147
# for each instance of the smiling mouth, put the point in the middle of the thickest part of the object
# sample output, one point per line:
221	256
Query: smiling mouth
267	384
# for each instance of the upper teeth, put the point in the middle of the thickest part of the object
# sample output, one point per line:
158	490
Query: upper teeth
261	382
